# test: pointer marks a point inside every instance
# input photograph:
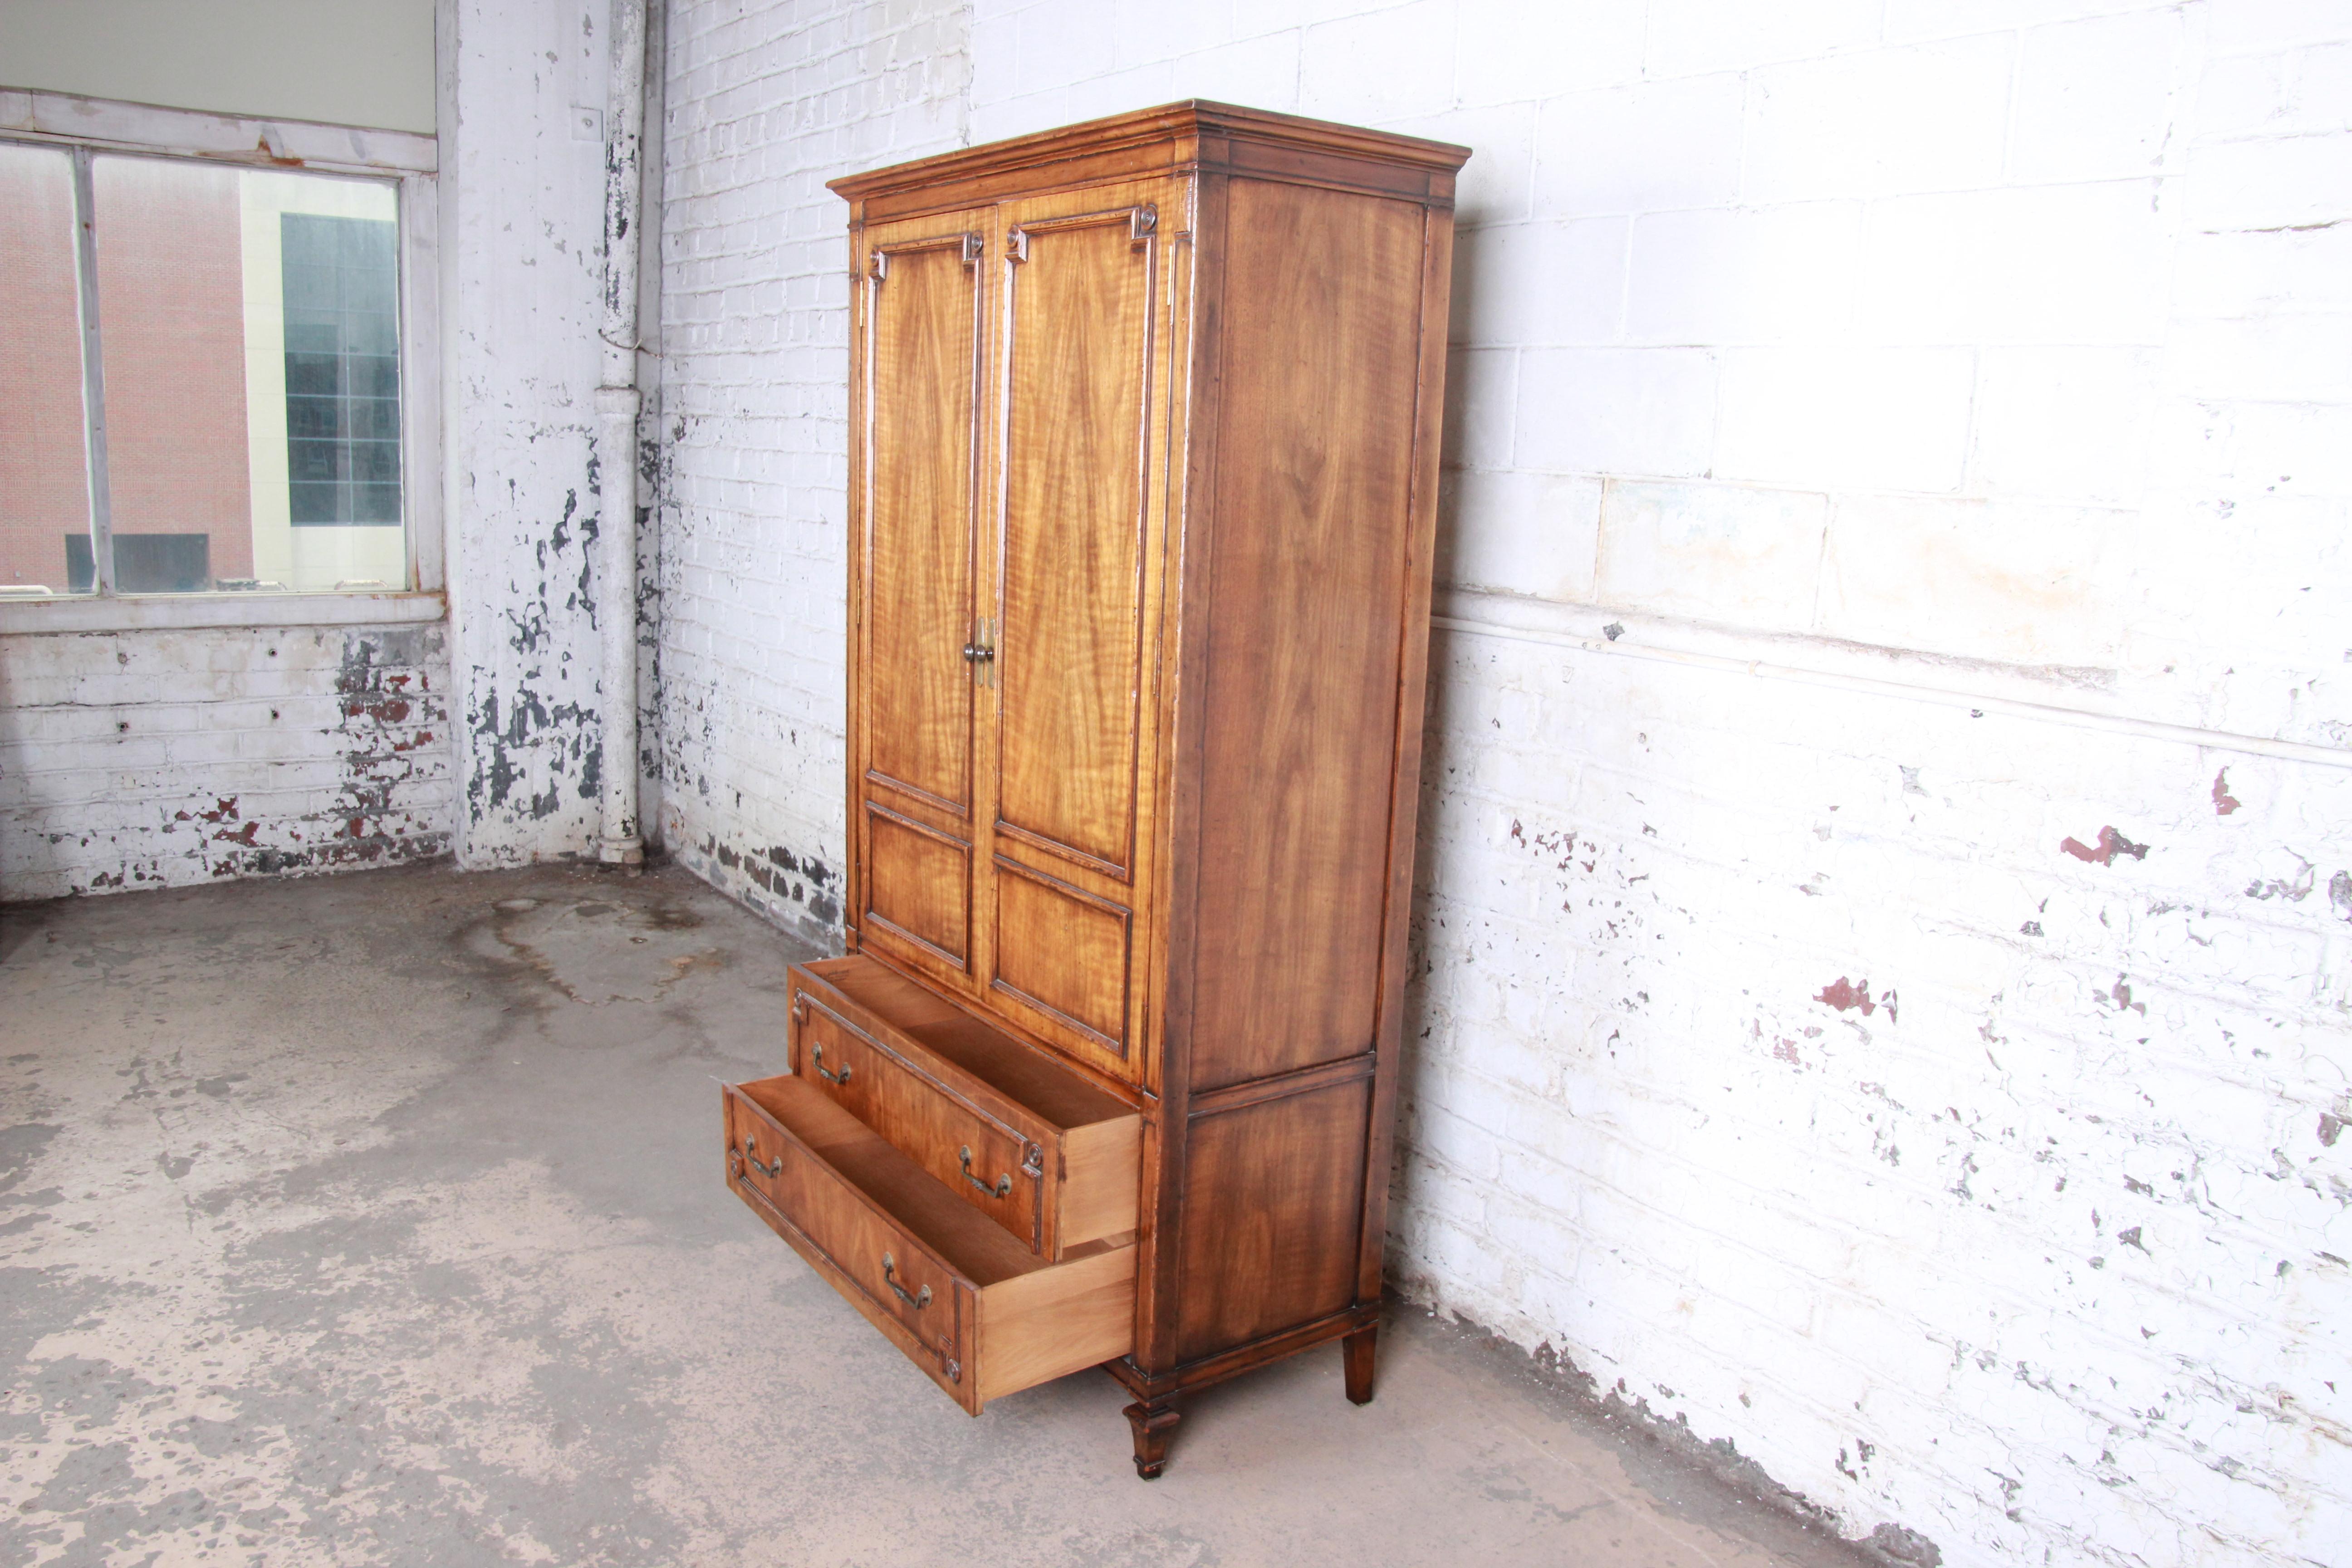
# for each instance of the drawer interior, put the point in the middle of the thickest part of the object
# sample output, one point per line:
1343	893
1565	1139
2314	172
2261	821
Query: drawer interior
991	1317
975	1246
1085	1141
1056	1092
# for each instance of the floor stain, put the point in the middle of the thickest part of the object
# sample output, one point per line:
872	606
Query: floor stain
378	1219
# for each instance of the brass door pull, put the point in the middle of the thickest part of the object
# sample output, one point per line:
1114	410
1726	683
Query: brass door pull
1004	1183
890	1278
772	1170
816	1056
981	651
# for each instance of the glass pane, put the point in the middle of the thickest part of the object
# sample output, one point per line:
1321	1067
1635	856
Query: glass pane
44	466
251	329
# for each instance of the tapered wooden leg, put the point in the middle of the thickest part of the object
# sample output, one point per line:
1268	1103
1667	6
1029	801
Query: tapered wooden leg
1357	1350
1153	1422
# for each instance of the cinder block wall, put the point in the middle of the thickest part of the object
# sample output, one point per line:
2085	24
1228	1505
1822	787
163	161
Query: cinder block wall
1881	976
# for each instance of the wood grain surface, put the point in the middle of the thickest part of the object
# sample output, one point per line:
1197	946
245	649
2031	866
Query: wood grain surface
1144	489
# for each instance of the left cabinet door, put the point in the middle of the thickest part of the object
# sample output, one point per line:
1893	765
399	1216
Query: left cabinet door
921	339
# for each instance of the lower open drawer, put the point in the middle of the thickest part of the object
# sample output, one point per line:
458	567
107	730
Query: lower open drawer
981	1313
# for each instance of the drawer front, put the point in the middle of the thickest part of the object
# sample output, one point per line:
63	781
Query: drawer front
893	1278
984	1161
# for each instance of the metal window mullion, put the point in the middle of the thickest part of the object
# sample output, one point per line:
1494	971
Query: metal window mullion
93	377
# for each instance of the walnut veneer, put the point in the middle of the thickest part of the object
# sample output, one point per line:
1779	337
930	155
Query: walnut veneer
1143	456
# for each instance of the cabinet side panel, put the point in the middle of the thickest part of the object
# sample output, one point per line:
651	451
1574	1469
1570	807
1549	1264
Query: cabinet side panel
1273	1196
1322	302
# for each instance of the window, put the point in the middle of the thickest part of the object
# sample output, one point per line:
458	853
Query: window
43	490
343	370
202	367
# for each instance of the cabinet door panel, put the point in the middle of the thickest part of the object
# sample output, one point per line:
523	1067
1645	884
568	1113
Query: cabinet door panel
1065	951
921	340
1081	368
923	334
1078	452
918	884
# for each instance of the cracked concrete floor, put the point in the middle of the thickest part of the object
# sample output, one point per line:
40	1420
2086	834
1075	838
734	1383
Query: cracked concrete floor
378	1219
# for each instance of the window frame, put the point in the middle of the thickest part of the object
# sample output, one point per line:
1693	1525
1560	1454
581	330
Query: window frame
86	127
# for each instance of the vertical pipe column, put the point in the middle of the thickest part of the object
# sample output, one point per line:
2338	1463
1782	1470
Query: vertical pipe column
616	435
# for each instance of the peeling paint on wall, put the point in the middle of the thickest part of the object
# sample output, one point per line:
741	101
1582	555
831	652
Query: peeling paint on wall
158	759
528	199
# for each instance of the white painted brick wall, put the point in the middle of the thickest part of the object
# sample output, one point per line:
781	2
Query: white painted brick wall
765	104
166	758
2013	340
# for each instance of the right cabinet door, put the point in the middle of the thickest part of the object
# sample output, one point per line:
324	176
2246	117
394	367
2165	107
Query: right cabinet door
1083	367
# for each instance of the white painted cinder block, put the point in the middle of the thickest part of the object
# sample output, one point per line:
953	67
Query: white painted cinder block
1385	63
1642	147
1521	51
1745	275
1731	554
1863	418
1925	118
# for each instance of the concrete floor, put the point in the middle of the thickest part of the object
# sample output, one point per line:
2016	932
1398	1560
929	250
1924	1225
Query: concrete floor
378	1218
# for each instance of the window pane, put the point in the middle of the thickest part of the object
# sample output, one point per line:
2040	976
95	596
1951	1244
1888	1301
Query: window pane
171	312
342	382
244	315
44	466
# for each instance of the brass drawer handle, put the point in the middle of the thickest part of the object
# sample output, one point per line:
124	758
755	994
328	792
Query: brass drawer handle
1004	1183
772	1170
816	1054
890	1278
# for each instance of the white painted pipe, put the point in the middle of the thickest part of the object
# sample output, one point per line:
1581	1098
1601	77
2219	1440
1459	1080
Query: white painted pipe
617	436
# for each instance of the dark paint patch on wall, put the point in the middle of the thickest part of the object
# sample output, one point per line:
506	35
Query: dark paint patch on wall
2110	844
390	713
566	735
1846	996
2224	802
797	891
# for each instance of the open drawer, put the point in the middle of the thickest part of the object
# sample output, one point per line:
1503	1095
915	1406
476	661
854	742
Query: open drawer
1019	1135
981	1313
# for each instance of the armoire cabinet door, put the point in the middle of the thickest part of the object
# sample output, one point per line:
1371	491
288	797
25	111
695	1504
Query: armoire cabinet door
923	321
1082	372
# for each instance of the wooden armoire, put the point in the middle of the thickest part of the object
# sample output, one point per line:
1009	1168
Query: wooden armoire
1143	458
